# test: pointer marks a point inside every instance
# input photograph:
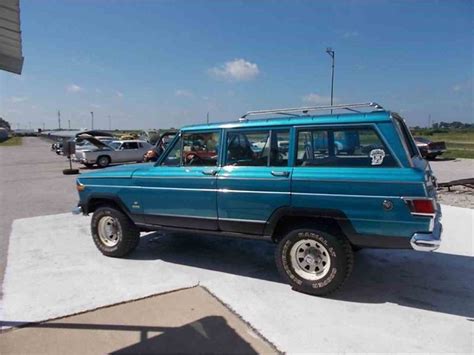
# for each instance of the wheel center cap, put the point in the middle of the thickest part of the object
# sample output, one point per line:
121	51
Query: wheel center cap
310	259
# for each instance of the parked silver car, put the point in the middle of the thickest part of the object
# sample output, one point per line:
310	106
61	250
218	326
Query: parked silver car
104	154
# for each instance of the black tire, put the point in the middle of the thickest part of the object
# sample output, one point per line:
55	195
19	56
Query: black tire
337	269
128	235
103	161
71	171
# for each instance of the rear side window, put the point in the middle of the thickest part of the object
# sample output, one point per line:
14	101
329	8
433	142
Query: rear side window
130	145
345	147
258	148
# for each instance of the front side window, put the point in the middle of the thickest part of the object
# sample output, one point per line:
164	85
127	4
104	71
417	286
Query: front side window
194	149
173	158
346	147
200	149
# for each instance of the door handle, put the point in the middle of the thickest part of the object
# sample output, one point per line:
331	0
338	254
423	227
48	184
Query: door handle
281	173
211	172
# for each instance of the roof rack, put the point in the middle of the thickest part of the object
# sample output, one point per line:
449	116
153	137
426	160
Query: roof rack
305	110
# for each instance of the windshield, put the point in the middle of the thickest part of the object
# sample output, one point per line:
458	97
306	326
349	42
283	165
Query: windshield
114	145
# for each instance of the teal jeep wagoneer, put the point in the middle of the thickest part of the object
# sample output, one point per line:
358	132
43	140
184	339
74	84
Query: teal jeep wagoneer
319	186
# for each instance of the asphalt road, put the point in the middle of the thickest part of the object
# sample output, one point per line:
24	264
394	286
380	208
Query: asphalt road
31	184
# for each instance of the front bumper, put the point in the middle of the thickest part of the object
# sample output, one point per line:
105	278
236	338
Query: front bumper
77	210
428	241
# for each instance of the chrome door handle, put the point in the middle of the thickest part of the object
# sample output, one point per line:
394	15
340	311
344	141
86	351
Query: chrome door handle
209	172
281	173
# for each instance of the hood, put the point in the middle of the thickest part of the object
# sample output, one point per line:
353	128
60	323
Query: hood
121	171
95	141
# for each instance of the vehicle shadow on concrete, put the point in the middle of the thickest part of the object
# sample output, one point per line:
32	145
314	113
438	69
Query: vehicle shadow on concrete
206	335
230	255
428	281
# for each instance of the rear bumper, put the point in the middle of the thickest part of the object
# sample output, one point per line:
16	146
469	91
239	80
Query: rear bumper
428	241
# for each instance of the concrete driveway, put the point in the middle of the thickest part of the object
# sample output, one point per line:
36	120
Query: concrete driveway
402	301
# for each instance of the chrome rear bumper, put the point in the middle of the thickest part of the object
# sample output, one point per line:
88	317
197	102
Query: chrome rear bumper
427	241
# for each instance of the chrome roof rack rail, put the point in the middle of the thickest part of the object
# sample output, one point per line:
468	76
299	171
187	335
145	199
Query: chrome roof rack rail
304	110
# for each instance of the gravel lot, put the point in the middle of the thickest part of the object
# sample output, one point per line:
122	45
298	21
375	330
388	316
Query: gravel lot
448	170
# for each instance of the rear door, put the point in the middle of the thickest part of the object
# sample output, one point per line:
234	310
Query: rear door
349	169
254	180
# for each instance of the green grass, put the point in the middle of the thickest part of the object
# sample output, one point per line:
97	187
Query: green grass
12	141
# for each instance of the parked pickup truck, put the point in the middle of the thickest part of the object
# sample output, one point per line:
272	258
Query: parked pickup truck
103	154
317	202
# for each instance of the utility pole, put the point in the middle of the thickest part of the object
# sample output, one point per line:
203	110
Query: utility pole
207	118
92	120
331	53
59	119
69	124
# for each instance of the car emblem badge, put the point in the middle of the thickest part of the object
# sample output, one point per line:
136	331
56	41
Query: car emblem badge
387	205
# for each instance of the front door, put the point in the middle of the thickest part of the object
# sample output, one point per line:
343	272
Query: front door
255	179
180	191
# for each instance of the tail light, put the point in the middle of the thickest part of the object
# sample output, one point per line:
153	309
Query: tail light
422	206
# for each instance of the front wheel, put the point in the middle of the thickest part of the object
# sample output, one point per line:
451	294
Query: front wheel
313	261
103	161
114	234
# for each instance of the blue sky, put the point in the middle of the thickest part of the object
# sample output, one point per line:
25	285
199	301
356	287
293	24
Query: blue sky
156	64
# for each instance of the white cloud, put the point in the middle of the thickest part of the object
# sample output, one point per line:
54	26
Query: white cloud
316	99
74	88
350	34
237	69
17	99
464	86
183	93
119	94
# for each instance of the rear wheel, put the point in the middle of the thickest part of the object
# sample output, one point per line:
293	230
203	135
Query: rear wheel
313	261
113	232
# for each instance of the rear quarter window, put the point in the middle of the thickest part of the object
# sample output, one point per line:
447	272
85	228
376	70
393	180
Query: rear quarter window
342	147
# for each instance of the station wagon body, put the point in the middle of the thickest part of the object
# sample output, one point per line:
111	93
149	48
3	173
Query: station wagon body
357	176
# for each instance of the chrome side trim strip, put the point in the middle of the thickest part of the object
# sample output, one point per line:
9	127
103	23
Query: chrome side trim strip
255	192
242	220
210	218
357	181
343	195
182	216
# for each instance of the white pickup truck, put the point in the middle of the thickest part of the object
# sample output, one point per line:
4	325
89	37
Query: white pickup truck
104	154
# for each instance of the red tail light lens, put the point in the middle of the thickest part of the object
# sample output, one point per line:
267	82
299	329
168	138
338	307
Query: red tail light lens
424	206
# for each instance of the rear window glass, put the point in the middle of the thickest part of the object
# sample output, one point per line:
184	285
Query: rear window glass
348	147
406	136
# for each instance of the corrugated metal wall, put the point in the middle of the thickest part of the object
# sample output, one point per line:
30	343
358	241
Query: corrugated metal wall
11	57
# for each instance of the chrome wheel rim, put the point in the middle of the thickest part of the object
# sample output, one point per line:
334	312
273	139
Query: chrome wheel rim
310	259
103	161
109	231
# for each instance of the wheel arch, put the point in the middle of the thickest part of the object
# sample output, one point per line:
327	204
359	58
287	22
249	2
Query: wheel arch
96	200
330	220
